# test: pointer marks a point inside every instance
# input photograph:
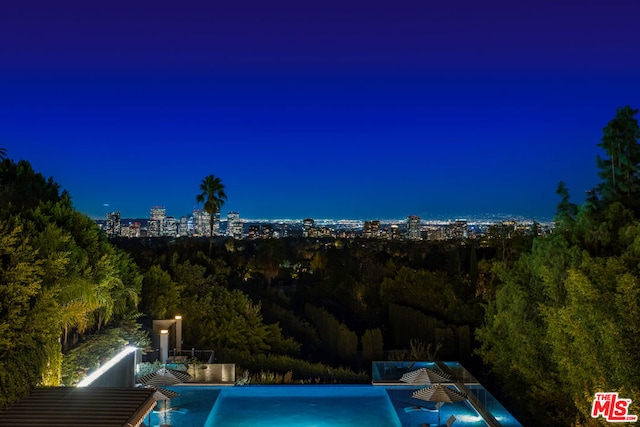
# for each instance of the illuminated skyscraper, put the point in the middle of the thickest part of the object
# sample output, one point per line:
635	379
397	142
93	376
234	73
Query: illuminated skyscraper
413	227
114	228
131	230
234	225
459	229
201	222
169	227
156	217
158	212
183	227
371	229
216	224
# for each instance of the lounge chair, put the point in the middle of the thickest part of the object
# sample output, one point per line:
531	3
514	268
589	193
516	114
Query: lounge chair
427	406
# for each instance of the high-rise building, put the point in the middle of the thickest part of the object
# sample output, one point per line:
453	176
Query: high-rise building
132	230
114	228
169	226
156	217
459	229
216	223
413	227
183	227
307	225
371	229
201	226
234	225
158	212
154	227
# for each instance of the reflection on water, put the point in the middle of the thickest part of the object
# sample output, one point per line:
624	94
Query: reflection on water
213	373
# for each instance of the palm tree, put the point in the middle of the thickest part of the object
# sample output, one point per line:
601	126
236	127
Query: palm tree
213	197
3	153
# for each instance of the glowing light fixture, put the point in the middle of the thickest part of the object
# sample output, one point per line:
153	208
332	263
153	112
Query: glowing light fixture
178	334
89	379
164	345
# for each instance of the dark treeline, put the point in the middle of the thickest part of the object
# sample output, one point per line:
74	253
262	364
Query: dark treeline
318	291
544	321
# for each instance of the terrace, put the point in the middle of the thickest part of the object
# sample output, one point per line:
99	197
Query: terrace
387	401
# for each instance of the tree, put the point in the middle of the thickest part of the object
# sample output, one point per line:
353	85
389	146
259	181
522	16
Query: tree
60	278
161	294
620	172
270	256
3	153
213	197
566	211
563	323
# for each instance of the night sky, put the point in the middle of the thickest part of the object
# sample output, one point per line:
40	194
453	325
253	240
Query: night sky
324	109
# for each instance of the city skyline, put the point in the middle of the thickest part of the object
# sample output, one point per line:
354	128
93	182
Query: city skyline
487	217
360	110
413	228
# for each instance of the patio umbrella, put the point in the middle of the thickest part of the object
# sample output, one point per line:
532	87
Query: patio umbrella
425	376
164	377
439	393
164	394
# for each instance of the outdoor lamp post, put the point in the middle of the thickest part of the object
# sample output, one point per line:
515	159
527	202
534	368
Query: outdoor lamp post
179	335
164	345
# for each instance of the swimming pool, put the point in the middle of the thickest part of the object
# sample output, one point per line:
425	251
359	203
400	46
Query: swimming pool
302	406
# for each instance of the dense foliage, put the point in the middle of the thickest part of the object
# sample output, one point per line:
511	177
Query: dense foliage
338	302
59	279
564	322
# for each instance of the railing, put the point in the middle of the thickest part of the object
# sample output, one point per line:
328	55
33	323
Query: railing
206	356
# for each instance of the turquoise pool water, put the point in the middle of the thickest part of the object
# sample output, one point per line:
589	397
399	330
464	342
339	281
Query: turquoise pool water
304	406
278	406
503	416
318	406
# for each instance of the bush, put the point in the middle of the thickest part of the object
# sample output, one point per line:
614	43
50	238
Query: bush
275	369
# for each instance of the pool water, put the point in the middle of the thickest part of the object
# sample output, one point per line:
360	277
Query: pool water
317	406
190	409
281	406
303	406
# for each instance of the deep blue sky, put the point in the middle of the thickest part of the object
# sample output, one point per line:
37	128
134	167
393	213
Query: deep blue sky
325	109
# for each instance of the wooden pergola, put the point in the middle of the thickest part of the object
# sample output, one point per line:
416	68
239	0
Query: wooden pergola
81	406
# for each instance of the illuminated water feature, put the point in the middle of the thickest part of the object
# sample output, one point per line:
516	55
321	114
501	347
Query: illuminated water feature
303	406
274	406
